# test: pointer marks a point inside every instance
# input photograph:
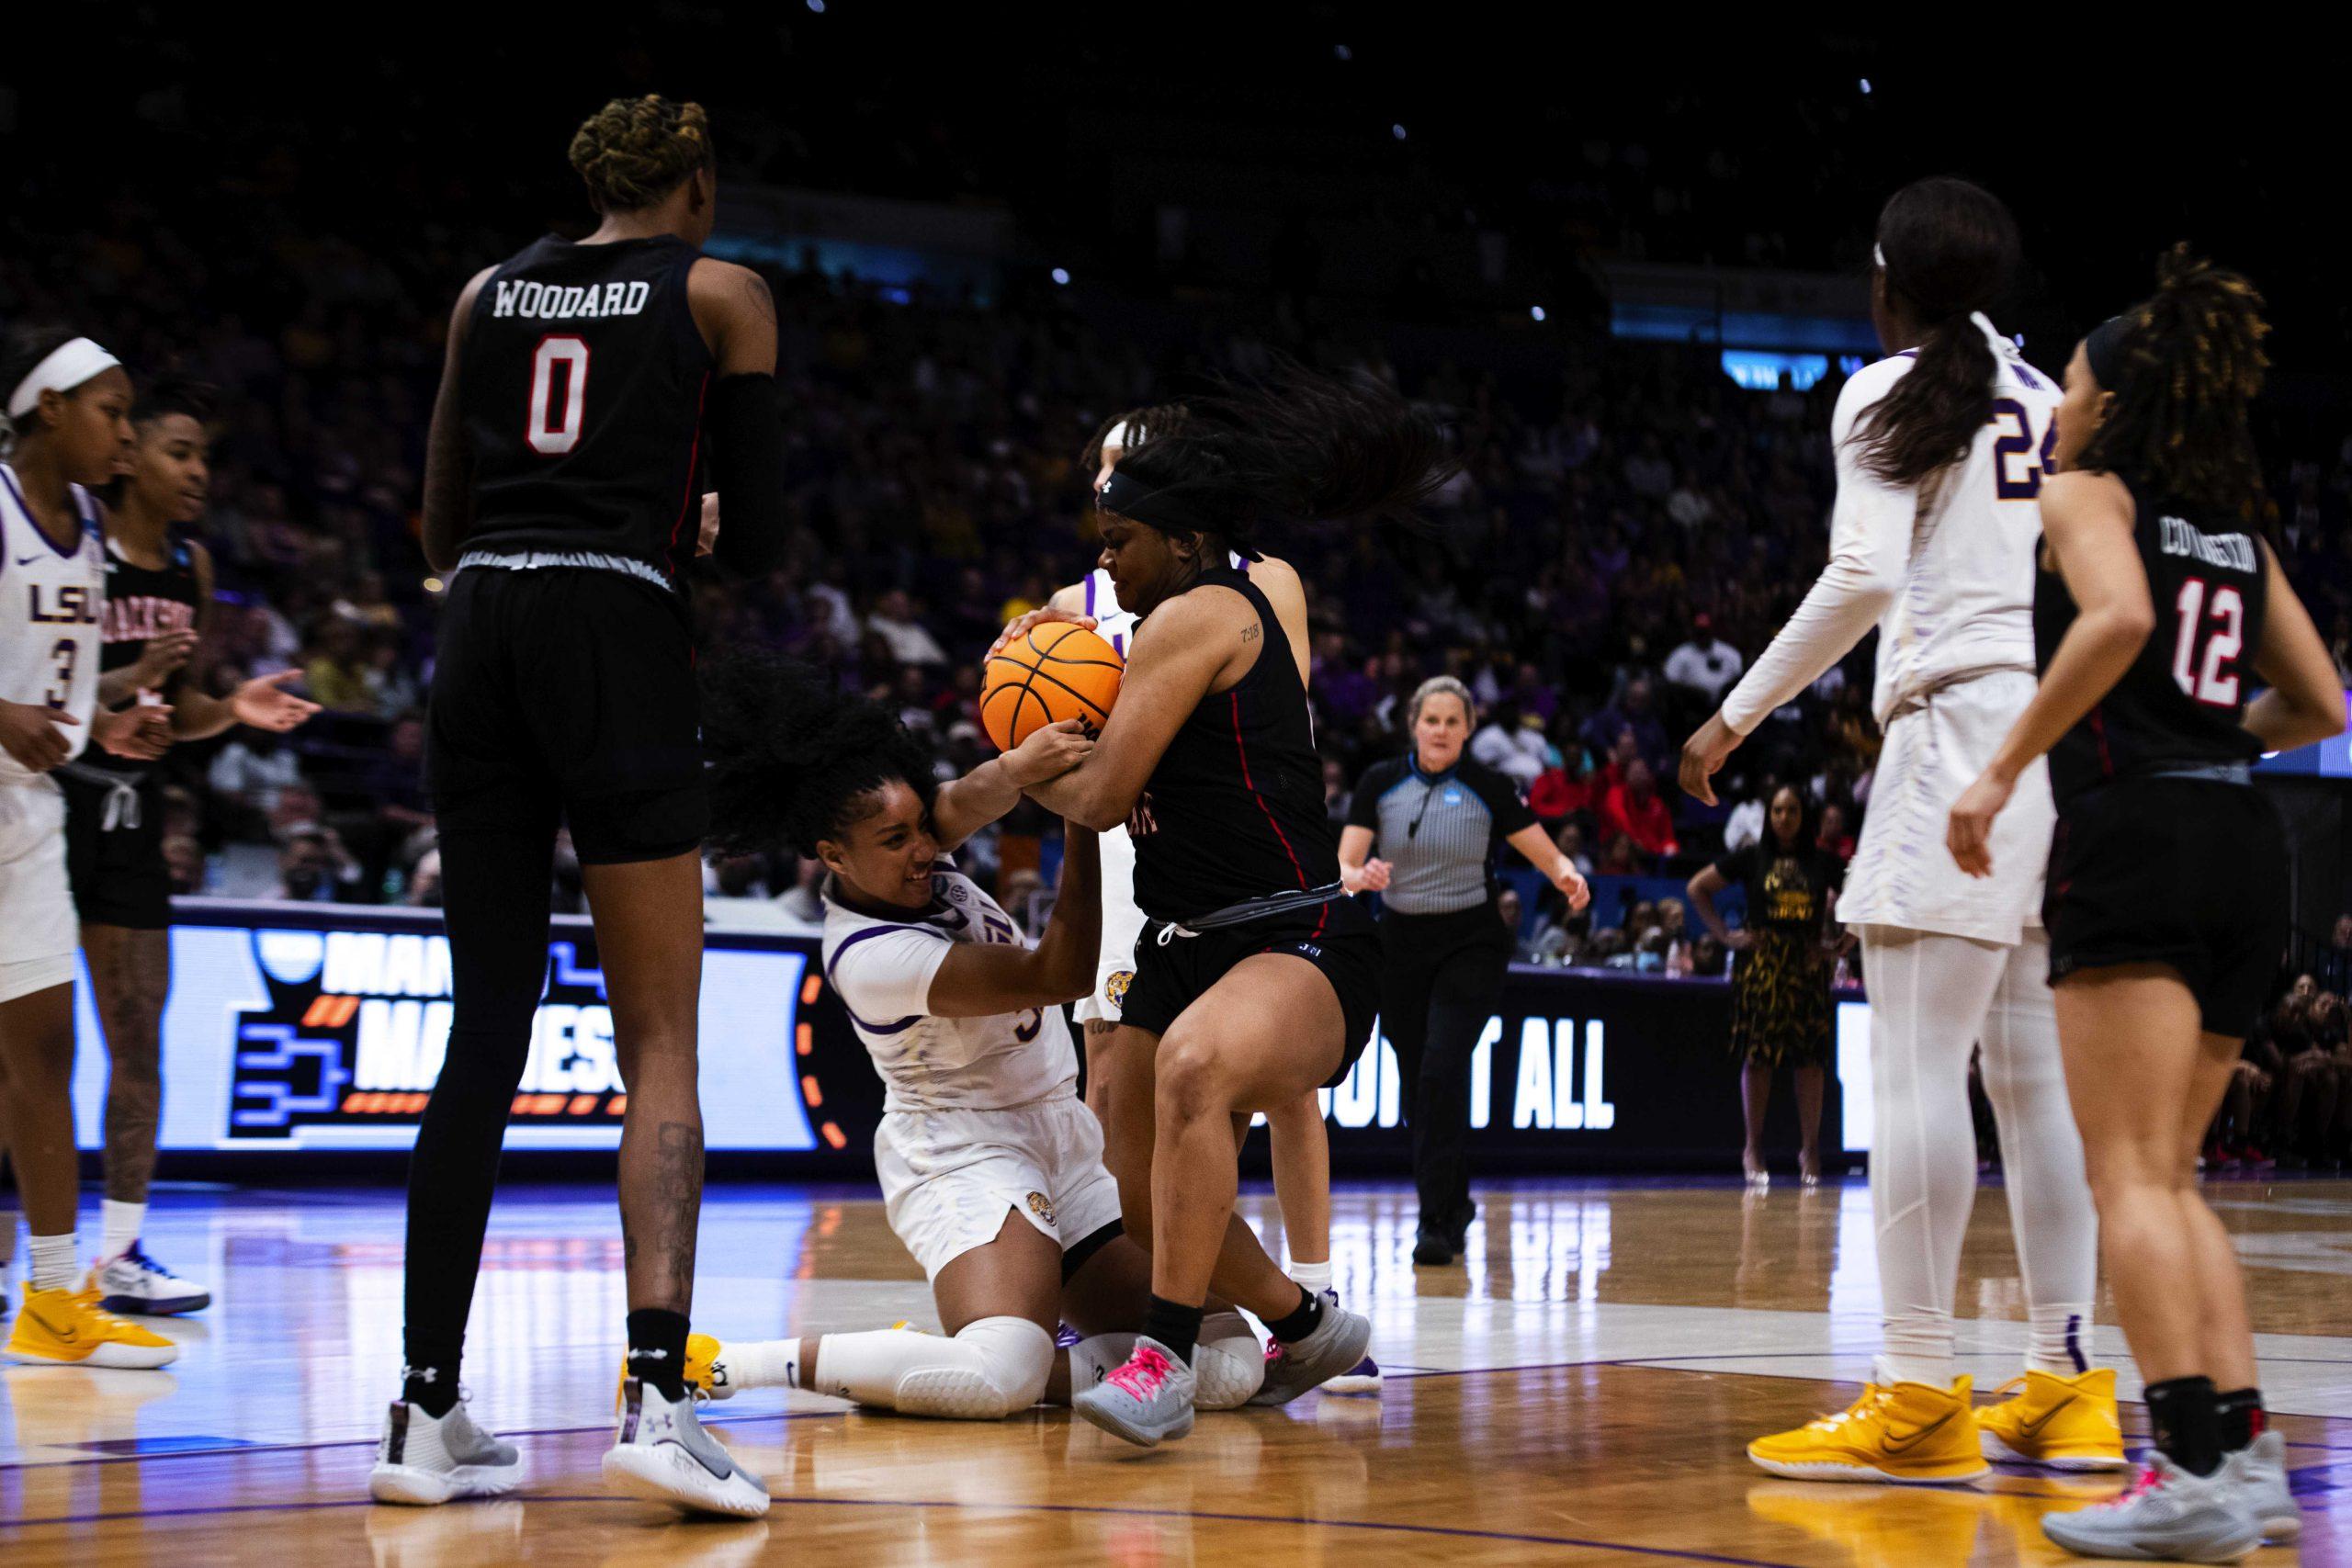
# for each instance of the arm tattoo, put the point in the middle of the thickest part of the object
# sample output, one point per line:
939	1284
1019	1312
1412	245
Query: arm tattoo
1249	633
756	298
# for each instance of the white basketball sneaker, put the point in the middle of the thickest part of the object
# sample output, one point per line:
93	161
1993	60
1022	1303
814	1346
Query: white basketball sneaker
425	1458
138	1286
662	1455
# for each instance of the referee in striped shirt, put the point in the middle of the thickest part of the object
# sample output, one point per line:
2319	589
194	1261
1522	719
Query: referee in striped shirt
1422	832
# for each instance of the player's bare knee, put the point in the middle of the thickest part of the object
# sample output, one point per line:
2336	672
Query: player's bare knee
1189	1079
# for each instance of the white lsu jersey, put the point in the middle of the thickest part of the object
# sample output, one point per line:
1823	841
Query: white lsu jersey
883	970
53	603
1967	539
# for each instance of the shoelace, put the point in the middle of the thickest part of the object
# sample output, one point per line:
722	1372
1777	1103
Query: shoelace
2012	1386
88	1301
2149	1480
1871	1399
1144	1373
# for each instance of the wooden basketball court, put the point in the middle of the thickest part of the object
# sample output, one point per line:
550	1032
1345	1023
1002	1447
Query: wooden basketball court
1577	1391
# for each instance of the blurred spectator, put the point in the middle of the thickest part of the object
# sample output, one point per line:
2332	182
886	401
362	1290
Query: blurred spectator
313	868
1705	664
1634	811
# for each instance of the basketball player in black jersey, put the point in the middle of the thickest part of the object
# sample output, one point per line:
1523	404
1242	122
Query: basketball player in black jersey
158	602
2158	606
584	384
1256	974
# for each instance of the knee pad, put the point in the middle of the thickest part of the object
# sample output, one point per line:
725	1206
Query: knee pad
996	1367
1229	1365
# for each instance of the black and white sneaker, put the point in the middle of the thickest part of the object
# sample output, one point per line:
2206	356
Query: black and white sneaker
662	1455
425	1460
135	1285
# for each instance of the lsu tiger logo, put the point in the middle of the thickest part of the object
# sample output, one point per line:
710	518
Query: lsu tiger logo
1115	989
1042	1206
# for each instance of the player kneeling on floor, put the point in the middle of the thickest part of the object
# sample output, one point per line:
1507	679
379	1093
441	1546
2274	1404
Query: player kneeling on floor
991	1168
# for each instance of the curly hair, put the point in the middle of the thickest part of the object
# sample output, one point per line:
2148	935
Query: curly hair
634	151
1295	446
1151	420
2179	424
791	758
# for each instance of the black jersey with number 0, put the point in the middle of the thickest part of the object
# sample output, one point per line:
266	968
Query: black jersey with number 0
2182	703
583	383
1233	811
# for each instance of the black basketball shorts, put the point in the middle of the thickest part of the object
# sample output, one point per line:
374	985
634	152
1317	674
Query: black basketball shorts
1337	938
117	873
568	689
2188	873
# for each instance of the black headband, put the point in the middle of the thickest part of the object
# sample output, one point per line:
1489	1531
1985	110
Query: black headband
1163	509
2104	349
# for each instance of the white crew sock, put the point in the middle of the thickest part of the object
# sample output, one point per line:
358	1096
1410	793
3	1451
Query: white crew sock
2050	1212
119	1228
1313	1277
53	1260
764	1363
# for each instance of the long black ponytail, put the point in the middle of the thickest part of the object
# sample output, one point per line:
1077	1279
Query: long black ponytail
1295	446
1949	248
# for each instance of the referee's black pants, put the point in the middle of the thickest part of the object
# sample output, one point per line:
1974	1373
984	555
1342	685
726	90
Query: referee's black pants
1441	978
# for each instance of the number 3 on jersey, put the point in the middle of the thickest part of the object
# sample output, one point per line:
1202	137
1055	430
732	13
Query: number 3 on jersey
554	426
2221	628
2012	484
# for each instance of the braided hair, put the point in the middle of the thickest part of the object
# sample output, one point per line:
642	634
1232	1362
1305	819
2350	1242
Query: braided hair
791	757
2186	363
634	151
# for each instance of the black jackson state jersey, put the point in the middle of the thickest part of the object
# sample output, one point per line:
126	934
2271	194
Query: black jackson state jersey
1233	811
582	386
2182	703
141	602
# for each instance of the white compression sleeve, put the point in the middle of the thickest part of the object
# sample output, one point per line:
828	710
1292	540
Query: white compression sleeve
2050	1212
1870	550
1929	994
995	1367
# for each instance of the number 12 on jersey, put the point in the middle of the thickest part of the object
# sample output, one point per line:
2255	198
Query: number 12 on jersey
554	428
2221	627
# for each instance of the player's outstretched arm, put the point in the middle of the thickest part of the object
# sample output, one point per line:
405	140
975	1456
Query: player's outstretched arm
448	464
963	806
1179	654
979	980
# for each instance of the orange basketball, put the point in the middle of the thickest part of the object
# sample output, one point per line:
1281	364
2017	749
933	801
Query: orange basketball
1051	673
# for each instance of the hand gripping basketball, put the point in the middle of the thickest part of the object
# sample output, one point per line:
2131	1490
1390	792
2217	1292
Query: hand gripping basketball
1045	673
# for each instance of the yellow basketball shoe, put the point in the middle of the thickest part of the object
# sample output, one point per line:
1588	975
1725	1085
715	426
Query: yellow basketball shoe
2065	1423
705	1374
69	1326
1906	1432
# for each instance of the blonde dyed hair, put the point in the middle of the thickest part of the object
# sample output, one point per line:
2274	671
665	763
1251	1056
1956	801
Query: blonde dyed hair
634	151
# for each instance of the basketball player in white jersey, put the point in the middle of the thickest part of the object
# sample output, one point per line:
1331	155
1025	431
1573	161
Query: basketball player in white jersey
1939	452
991	1168
68	405
1300	1143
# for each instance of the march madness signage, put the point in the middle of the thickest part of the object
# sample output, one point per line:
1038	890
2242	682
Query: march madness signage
356	1024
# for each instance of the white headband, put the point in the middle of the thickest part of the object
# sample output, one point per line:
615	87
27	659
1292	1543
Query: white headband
63	370
1878	254
1122	435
